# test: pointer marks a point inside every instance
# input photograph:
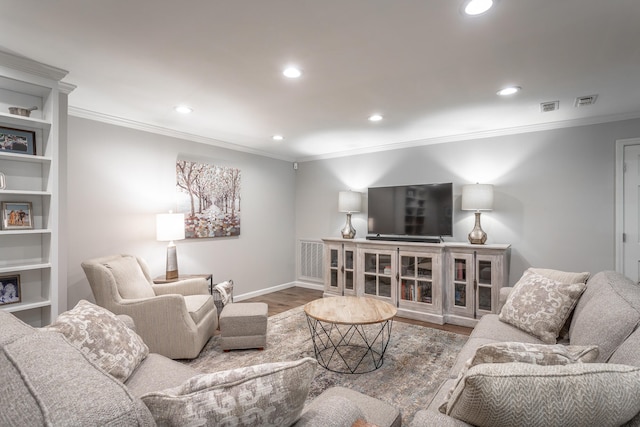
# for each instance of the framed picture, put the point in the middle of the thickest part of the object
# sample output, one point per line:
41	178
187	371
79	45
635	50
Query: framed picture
16	215
10	289
17	141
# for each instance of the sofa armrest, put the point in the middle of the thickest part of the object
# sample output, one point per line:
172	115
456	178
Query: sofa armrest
195	286
334	411
427	418
504	294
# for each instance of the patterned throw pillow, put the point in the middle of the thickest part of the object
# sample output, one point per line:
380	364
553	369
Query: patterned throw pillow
105	339
271	394
540	306
534	354
519	394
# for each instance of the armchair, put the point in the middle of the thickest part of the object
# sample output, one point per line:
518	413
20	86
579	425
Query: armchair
174	319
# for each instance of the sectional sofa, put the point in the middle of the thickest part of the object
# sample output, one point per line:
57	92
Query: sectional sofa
531	381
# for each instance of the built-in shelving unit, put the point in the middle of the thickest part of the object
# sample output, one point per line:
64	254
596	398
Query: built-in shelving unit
33	253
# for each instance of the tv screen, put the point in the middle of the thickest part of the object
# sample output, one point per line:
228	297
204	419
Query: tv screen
411	210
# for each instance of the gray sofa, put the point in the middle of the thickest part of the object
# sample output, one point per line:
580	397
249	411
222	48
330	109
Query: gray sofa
48	381
607	314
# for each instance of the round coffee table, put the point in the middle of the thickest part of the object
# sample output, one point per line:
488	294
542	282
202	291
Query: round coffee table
350	334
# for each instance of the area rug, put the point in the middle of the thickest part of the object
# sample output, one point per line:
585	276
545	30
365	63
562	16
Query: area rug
416	362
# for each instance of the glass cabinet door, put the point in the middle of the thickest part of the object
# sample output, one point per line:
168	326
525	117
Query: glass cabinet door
378	267
333	268
349	270
485	285
416	278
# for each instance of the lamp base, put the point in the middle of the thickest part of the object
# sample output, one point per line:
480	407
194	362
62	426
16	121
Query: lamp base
348	232
172	262
477	235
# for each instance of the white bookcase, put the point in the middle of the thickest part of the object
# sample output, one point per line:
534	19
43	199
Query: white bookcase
33	254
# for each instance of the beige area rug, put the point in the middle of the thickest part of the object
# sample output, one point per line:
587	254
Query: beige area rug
416	362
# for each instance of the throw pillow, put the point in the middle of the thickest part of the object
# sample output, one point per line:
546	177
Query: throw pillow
262	395
518	394
105	339
540	306
536	354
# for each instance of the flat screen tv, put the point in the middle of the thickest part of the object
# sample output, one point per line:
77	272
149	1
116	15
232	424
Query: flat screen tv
410	212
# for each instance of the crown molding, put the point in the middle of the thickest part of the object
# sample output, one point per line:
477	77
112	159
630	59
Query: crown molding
66	88
20	63
132	124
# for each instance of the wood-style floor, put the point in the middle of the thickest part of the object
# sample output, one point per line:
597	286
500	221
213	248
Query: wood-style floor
286	299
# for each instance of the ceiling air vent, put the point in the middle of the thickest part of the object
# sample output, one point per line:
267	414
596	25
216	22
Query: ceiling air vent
545	107
583	101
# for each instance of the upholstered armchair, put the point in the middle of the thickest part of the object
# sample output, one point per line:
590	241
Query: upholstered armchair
174	319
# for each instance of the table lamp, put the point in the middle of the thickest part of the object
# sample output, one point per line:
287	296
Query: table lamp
477	197
170	227
349	202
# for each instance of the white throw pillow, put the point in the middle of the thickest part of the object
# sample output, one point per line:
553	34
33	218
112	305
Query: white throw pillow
105	339
540	305
271	394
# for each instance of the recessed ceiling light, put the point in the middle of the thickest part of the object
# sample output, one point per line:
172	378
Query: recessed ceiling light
477	7
509	90
292	72
375	118
277	137
183	109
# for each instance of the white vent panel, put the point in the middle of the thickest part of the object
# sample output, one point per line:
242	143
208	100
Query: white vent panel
583	101
311	260
546	107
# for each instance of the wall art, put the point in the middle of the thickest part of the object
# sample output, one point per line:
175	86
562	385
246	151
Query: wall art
10	289
209	197
16	215
17	141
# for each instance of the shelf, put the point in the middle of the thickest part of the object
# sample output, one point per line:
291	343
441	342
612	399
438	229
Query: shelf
20	232
28	305
10	120
30	158
24	267
26	192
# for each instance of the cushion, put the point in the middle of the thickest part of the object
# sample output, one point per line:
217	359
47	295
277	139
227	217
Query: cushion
199	306
607	314
540	306
579	394
267	394
222	294
130	280
47	381
538	354
562	276
103	337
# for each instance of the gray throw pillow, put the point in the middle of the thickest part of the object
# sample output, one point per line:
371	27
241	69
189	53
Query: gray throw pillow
271	394
540	305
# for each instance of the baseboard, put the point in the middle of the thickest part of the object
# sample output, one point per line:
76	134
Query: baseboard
265	291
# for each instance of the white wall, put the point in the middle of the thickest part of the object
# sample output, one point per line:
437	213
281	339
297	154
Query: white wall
119	178
554	191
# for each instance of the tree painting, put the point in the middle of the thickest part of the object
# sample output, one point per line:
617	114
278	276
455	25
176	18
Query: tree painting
209	197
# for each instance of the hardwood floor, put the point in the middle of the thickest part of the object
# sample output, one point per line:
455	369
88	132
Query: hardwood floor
286	299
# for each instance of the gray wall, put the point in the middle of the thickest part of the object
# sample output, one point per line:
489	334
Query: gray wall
554	191
119	178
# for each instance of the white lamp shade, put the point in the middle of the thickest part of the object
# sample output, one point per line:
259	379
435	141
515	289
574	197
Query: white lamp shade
477	197
169	227
349	201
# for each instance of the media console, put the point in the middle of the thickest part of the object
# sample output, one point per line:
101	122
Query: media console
442	282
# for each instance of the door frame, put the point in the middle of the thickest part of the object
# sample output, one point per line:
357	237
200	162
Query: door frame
619	200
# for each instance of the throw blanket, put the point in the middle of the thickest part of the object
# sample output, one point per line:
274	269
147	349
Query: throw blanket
226	291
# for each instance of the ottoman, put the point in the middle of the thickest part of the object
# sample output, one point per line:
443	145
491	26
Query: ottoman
243	325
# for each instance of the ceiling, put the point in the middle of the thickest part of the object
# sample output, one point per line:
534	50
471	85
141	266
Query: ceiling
431	71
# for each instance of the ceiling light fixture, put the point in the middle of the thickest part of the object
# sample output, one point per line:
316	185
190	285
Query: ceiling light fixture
477	7
292	72
375	118
183	109
277	137
509	90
